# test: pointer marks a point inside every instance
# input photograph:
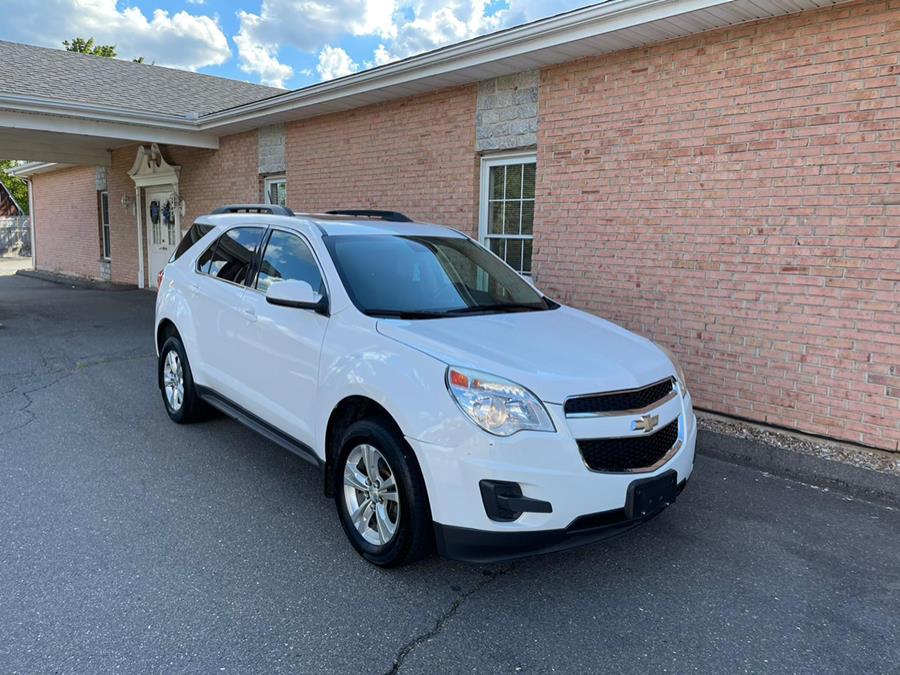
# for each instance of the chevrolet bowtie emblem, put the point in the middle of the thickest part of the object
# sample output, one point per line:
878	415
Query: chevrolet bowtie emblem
647	423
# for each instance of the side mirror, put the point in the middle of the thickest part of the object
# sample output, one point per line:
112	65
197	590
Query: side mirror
297	294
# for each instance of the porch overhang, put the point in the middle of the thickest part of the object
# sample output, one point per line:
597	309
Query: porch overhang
48	131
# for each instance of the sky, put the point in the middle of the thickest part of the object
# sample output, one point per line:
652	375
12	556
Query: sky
281	43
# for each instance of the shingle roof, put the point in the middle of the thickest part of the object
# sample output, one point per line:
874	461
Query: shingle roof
62	75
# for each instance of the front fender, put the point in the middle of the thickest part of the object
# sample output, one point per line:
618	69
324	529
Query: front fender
409	384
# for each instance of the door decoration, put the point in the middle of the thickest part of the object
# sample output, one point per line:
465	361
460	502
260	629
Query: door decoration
154	212
168	214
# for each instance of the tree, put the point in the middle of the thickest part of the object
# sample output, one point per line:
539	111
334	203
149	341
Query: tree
82	46
17	187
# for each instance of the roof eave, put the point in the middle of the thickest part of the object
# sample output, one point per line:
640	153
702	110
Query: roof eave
34	168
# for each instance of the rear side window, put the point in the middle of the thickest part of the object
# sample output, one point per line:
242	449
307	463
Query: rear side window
231	256
288	257
195	234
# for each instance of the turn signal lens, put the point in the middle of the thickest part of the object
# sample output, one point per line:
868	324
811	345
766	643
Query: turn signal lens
498	406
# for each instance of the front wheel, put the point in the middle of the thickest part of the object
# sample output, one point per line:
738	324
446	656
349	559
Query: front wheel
380	495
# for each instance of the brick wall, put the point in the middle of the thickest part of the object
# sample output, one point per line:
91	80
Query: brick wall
735	196
66	222
211	178
415	155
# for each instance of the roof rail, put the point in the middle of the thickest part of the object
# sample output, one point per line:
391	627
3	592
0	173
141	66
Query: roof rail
273	209
393	216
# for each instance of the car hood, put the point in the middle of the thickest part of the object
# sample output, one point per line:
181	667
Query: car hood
555	353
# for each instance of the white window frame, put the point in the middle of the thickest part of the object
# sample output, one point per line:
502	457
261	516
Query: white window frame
487	163
105	232
274	180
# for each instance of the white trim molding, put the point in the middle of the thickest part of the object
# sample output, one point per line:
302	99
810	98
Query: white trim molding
151	168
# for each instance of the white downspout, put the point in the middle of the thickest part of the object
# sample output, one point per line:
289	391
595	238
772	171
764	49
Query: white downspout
138	212
30	184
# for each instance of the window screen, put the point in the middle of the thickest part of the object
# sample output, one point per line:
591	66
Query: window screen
509	219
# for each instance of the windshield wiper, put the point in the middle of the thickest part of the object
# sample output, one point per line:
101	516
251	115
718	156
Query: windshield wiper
499	307
400	314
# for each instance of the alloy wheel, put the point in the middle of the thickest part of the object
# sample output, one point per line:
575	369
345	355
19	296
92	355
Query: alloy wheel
370	495
173	380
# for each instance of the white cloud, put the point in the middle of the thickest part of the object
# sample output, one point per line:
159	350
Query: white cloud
258	57
307	25
380	57
196	2
180	40
405	28
335	62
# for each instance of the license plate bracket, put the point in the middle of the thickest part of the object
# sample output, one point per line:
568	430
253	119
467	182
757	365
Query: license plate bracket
646	496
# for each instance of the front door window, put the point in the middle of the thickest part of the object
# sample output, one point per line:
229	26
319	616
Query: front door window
162	231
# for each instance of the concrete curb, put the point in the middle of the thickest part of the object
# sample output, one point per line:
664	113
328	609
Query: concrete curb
76	282
873	485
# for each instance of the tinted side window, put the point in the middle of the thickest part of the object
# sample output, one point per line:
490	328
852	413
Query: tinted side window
288	257
195	234
233	254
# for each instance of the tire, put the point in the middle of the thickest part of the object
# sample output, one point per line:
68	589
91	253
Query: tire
412	537
185	405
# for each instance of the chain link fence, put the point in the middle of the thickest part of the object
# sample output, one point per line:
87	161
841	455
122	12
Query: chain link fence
15	236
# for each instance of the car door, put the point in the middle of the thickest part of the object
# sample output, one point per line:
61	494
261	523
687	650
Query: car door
281	362
218	307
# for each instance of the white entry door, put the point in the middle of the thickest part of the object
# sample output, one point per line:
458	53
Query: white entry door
163	230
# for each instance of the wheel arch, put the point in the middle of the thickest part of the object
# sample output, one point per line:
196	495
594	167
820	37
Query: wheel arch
164	331
347	411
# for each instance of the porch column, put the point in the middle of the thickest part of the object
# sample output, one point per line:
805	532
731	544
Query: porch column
138	212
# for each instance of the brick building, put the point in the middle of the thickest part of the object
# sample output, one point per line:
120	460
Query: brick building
721	176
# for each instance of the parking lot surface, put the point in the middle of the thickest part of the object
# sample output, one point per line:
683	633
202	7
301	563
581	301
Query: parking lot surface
131	544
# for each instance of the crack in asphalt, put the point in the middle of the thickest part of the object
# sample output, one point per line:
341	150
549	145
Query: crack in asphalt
64	373
490	577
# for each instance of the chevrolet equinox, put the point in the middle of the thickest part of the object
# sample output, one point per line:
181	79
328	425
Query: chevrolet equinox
448	402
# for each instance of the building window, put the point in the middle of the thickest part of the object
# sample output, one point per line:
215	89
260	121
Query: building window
507	208
276	190
104	225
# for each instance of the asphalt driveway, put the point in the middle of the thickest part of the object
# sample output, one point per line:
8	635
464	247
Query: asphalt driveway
129	543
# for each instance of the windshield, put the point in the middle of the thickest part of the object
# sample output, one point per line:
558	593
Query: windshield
428	277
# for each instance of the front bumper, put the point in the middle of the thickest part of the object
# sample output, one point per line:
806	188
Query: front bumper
483	546
548	467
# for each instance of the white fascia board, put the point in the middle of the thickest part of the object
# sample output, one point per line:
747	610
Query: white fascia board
56	154
57	117
33	168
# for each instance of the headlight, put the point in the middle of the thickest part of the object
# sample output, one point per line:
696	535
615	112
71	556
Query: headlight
498	406
679	372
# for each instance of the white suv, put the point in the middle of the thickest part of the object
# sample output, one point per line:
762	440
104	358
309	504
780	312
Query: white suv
448	402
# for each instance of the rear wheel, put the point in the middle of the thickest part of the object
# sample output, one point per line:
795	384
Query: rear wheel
380	495
176	383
